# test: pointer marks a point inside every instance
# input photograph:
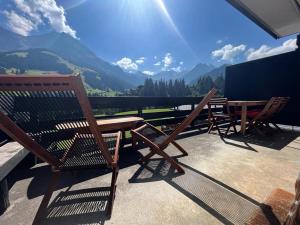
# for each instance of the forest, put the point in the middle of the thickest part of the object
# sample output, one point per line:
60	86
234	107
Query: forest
177	88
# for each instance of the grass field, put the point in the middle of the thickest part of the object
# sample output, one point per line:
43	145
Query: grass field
144	111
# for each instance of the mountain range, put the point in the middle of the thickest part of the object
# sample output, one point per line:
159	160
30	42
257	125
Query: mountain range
60	53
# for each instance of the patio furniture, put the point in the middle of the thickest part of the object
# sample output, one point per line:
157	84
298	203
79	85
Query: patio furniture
44	102
158	141
280	207
108	125
283	103
244	105
260	119
223	113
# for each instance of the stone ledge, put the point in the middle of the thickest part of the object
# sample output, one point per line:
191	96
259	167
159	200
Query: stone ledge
11	154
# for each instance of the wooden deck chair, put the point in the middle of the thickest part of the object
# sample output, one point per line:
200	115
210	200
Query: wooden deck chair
223	114
158	141
283	103
31	107
259	120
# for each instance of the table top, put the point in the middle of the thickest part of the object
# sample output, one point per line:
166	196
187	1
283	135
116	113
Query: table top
107	124
247	103
131	119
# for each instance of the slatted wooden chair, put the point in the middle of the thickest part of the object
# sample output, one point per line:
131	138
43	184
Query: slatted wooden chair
259	119
158	141
223	113
280	207
32	108
283	103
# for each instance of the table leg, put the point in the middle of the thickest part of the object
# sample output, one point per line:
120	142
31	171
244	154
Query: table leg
123	139
243	119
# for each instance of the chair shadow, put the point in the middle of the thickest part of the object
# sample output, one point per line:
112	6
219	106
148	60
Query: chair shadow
74	207
41	174
225	203
276	141
245	144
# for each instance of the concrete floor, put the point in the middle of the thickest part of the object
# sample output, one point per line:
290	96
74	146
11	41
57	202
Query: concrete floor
224	182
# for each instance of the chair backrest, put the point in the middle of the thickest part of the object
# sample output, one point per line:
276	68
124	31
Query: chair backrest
294	212
269	110
283	103
217	103
188	120
42	112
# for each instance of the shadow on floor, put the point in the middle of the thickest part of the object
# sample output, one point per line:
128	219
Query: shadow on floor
74	207
223	202
41	174
276	141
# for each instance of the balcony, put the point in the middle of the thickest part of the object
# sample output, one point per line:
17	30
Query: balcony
226	180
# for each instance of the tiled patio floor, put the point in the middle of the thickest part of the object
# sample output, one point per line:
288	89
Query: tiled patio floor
224	182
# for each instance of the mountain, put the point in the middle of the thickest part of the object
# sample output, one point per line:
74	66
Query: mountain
168	75
43	61
197	72
217	72
71	50
214	74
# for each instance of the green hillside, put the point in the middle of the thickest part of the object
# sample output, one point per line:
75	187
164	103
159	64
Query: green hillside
42	61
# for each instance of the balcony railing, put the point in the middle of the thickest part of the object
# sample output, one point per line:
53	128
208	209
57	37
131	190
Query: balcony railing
114	107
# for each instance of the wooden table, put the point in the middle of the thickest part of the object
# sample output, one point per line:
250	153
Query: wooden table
107	125
244	105
123	123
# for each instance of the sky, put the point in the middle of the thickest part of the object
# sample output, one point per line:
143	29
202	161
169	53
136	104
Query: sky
149	35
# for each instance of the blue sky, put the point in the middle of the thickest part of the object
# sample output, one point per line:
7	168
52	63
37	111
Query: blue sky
149	35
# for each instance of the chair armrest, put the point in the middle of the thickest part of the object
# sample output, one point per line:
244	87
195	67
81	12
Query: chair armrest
116	155
143	138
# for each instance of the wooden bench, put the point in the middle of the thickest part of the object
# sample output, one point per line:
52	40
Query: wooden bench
11	154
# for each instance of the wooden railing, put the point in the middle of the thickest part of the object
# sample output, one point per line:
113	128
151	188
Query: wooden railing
140	104
101	105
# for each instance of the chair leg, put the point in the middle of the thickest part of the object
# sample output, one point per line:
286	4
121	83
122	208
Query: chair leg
47	197
210	127
231	124
218	129
228	128
133	142
147	157
179	147
277	127
112	194
234	127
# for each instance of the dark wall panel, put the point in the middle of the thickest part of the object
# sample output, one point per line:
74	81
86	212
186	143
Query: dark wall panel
263	78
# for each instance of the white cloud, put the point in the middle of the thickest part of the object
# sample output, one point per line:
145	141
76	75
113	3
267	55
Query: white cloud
177	69
19	24
140	61
127	64
181	63
157	64
228	52
155	57
265	51
219	42
147	72
36	12
167	60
